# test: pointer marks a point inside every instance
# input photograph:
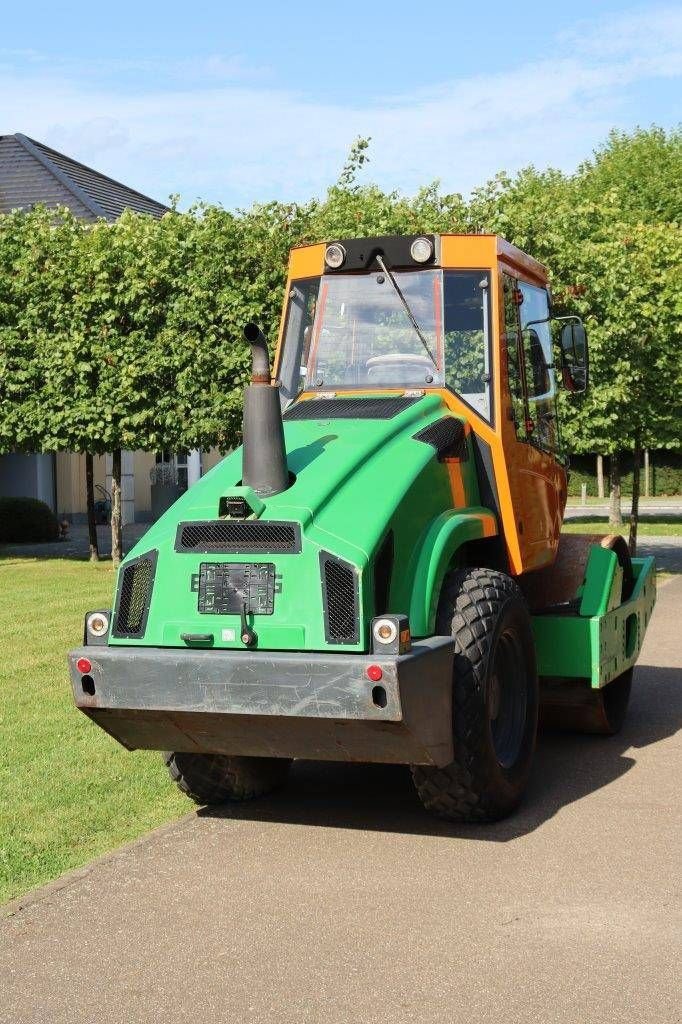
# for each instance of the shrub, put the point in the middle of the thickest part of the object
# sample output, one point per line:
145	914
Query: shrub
666	474
26	520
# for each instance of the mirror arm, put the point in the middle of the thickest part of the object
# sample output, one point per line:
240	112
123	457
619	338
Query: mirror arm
573	316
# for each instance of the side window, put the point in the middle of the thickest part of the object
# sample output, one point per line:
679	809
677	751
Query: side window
297	335
539	371
467	341
514	368
532	382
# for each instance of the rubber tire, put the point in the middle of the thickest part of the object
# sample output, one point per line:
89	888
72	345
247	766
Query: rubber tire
476	607
217	778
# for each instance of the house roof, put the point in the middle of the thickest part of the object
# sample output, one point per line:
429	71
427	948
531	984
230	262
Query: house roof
31	173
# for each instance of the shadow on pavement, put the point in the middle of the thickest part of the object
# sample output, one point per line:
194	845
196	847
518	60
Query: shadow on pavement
567	768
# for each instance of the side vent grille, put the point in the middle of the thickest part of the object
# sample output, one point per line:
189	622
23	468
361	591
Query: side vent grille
349	408
254	537
447	436
134	596
340	600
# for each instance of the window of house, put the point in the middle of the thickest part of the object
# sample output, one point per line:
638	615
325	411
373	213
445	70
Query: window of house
177	464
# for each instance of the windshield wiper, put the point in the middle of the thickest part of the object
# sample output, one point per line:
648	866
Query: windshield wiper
410	314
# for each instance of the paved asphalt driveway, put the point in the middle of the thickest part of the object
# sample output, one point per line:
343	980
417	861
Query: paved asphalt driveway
341	901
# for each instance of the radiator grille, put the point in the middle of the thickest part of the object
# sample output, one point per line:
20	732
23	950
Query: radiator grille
253	537
134	596
340	600
349	408
447	436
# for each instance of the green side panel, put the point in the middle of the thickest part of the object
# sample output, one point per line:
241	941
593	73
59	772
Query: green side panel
446	534
563	646
603	582
602	646
617	637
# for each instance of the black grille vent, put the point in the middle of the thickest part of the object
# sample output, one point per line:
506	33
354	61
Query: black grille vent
134	596
340	600
349	408
251	537
447	436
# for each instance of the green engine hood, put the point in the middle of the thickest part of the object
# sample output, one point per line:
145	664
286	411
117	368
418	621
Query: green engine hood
353	481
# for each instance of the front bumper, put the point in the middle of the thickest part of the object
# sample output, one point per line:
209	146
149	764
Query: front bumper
273	704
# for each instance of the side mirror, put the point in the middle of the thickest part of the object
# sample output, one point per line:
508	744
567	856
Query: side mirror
574	357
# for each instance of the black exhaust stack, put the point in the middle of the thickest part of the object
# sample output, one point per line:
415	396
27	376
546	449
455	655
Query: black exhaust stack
264	460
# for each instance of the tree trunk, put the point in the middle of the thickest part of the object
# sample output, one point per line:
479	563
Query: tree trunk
116	532
647	474
634	513
600	476
90	492
615	514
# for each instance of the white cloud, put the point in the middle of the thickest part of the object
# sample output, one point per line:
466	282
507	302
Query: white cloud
220	130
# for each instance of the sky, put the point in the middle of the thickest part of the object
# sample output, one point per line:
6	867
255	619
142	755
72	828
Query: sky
233	103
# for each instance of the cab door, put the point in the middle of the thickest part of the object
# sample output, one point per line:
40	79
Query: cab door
537	479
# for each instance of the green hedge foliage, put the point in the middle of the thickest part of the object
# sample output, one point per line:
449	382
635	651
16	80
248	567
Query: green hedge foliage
665	469
26	521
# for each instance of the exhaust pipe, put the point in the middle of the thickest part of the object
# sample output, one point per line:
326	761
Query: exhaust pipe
264	460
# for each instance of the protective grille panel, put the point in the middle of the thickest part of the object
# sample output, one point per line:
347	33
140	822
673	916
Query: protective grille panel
253	537
349	408
134	595
447	436
340	600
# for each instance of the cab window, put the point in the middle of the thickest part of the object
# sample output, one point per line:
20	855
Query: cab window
297	335
539	369
354	331
532	383
467	342
514	365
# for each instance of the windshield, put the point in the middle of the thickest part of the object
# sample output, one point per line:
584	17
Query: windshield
363	336
352	331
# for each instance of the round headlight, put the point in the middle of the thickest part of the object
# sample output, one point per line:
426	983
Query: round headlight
421	250
334	256
385	631
97	624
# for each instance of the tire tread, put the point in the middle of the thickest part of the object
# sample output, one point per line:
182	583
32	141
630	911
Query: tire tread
217	778
470	604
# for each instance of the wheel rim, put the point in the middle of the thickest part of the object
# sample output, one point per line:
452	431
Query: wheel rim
507	700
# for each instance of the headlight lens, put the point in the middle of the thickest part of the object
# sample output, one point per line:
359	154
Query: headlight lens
385	631
421	250
335	255
97	624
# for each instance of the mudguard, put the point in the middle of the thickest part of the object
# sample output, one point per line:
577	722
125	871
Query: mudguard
444	537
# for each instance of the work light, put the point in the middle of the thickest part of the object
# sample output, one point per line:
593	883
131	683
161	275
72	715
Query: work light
421	250
334	256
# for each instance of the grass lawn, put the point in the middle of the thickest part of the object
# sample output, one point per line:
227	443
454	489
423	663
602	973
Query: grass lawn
68	792
660	526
